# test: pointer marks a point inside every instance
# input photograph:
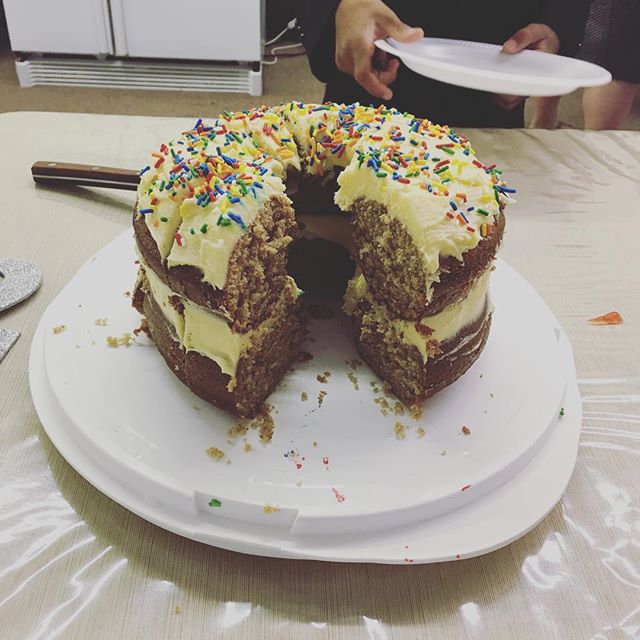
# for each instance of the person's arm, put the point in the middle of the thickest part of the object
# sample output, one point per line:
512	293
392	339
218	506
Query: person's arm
318	20
340	35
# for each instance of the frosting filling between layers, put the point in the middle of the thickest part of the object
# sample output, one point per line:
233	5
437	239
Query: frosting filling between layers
199	329
440	327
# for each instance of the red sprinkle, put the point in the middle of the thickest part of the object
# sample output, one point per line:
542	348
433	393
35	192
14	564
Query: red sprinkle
441	164
179	239
478	164
337	494
466	486
159	161
404	180
471	229
450	215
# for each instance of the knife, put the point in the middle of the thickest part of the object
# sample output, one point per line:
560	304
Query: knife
86	175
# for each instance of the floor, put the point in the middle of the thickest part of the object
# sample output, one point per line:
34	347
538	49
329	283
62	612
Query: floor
289	78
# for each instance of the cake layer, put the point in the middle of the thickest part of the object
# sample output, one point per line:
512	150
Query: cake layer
255	271
394	269
233	371
418	359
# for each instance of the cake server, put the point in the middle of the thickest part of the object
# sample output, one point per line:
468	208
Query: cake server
20	279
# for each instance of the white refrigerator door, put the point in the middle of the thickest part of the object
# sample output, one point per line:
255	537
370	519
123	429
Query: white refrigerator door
190	29
59	26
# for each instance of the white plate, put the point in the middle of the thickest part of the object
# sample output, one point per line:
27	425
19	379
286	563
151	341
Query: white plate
133	430
482	66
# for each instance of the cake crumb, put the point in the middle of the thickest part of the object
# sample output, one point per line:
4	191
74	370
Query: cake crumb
421	432
443	452
59	329
124	341
127	294
354	364
354	380
323	377
215	453
264	423
270	509
248	447
238	429
466	430
398	409
416	411
143	328
320	311
102	322
314	443
178	610
298	483
321	397
304	396
304	356
400	430
491	395
228	461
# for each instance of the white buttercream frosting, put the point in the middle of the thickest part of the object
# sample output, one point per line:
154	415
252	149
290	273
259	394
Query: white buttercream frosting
430	330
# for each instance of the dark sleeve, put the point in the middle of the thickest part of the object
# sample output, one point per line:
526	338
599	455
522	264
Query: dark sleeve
567	18
317	18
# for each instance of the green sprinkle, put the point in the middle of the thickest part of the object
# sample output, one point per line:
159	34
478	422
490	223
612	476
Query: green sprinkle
214	502
204	227
164	219
483	212
223	222
446	180
561	412
448	150
174	193
441	170
192	231
381	174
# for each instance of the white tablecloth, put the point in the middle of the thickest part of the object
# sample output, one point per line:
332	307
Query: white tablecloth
74	564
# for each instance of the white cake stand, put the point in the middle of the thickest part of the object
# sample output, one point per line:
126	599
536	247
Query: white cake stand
337	481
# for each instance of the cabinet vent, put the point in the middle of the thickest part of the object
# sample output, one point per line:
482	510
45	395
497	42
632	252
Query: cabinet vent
139	74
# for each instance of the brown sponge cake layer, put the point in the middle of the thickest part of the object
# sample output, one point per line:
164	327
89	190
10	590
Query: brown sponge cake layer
401	365
394	269
257	271
259	370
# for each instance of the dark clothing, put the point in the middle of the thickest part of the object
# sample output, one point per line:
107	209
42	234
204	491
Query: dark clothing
611	38
480	20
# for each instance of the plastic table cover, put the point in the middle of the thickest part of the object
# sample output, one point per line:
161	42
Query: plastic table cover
74	564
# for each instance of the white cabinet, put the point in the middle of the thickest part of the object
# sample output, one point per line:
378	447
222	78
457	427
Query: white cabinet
186	45
188	29
59	26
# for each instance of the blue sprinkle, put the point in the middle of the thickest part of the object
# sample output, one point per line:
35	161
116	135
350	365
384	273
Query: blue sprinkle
198	123
145	211
234	199
257	184
236	218
429	188
452	204
143	171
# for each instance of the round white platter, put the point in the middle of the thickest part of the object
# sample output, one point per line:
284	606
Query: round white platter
337	481
483	66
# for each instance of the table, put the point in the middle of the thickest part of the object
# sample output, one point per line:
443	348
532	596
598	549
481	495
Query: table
74	564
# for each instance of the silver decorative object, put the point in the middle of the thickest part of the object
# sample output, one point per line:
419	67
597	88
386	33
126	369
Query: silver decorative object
20	280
